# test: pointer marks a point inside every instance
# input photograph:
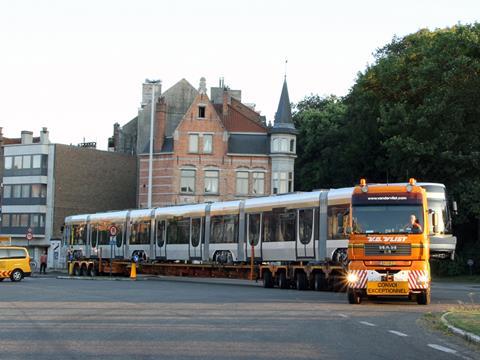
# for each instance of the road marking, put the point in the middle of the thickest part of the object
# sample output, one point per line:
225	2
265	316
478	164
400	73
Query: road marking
367	323
343	315
442	348
397	333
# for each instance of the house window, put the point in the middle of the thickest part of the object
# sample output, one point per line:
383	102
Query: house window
275	145
258	183
284	145
207	143
242	182
201	111
8	162
290	182
283	183
6	220
25	191
17	162
275	182
24	220
211	182
27	162
193	143
7	191
187	181
36	190
292	145
36	161
17	191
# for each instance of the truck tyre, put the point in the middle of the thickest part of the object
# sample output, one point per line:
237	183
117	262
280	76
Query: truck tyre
354	297
301	281
267	280
17	275
424	297
282	280
319	281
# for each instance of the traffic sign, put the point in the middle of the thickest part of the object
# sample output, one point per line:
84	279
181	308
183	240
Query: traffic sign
29	236
113	230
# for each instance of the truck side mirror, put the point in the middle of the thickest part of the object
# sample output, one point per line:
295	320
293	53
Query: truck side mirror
435	222
340	223
454	207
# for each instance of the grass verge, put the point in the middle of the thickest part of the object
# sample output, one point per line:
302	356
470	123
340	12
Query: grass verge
465	317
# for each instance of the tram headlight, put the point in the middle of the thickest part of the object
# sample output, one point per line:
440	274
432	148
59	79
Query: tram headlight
352	278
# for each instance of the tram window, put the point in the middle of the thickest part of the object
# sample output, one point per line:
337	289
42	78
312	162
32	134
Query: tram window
160	233
140	233
253	229
196	231
305	225
216	232
178	231
119	236
279	226
79	235
224	229
336	230
103	237
94	236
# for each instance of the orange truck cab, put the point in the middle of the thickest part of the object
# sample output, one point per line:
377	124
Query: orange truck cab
389	245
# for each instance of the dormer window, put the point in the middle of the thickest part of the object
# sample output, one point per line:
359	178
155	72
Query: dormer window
201	111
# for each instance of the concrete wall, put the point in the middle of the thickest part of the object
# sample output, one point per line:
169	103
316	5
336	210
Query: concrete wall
88	181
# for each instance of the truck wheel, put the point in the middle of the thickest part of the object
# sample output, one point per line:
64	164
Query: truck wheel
301	281
267	280
424	297
76	270
319	281
354	297
16	275
282	280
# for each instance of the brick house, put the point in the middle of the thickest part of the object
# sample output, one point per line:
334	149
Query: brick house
209	148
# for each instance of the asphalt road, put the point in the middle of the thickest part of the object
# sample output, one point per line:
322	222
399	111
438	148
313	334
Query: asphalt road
48	318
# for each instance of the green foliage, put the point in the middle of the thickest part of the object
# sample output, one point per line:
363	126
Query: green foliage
415	112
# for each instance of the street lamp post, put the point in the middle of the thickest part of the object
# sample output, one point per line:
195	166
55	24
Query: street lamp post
154	84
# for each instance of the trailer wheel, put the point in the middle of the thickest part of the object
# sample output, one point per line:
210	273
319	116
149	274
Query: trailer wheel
424	297
83	270
301	281
282	280
267	280
76	270
354	297
319	281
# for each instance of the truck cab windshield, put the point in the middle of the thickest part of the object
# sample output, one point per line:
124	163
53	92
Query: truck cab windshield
387	219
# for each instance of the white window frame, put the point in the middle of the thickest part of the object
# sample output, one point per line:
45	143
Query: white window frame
211	180
193	146
209	150
184	179
240	178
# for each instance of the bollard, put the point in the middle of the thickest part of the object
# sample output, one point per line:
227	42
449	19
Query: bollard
70	268
133	271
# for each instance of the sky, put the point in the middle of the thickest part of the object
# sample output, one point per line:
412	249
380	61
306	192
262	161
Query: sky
76	66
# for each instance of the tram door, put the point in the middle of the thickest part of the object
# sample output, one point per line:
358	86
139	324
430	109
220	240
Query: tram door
119	241
160	237
195	244
305	243
254	231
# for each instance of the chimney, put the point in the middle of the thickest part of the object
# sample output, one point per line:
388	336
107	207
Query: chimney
1	136
44	136
27	137
160	124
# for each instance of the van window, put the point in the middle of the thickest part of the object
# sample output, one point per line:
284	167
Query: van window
12	254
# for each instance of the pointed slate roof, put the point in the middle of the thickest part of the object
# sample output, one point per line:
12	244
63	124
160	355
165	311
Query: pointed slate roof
283	117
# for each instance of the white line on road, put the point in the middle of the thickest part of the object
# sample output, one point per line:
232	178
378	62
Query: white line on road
343	315
397	333
442	348
367	323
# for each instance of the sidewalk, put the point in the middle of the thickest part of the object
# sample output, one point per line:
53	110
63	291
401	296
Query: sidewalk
49	273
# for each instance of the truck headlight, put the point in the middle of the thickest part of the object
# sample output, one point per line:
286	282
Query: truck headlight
423	278
352	278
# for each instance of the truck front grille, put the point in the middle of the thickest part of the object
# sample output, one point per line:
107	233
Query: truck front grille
388	249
